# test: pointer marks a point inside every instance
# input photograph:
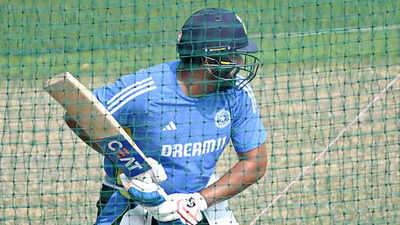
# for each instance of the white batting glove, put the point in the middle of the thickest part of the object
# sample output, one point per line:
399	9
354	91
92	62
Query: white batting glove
157	173
145	188
190	207
183	207
165	212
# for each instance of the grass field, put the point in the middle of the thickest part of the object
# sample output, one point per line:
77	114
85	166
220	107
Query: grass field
323	62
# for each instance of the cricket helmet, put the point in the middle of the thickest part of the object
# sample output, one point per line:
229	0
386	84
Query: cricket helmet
219	37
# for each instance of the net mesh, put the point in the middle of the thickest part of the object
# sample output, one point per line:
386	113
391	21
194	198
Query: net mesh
323	62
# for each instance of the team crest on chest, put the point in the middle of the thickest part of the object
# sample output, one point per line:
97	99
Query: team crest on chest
222	118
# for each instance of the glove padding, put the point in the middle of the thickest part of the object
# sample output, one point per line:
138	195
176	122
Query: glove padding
190	207
183	208
145	188
156	174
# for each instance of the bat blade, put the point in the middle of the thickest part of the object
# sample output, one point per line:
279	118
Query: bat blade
93	118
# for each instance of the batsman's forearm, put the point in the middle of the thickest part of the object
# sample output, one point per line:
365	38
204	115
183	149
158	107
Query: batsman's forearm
239	177
242	175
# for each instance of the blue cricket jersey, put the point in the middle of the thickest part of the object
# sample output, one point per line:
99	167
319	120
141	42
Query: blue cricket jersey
186	135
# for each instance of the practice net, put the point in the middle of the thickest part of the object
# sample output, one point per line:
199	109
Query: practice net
328	92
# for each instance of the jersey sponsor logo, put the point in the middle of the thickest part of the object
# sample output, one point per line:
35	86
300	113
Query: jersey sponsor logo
170	126
222	118
129	93
193	149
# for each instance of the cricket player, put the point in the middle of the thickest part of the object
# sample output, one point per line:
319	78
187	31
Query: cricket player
183	114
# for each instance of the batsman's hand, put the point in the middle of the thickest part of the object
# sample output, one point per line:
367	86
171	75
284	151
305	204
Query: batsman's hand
183	208
190	207
145	188
157	173
144	192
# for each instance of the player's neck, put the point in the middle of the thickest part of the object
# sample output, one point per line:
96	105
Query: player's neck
195	83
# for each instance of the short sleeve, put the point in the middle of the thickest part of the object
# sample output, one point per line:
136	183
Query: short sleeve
248	131
108	96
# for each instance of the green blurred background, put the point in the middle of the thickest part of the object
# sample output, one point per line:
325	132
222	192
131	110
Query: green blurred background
40	38
323	61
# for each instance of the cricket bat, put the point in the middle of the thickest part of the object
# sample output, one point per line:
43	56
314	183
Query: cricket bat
98	123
